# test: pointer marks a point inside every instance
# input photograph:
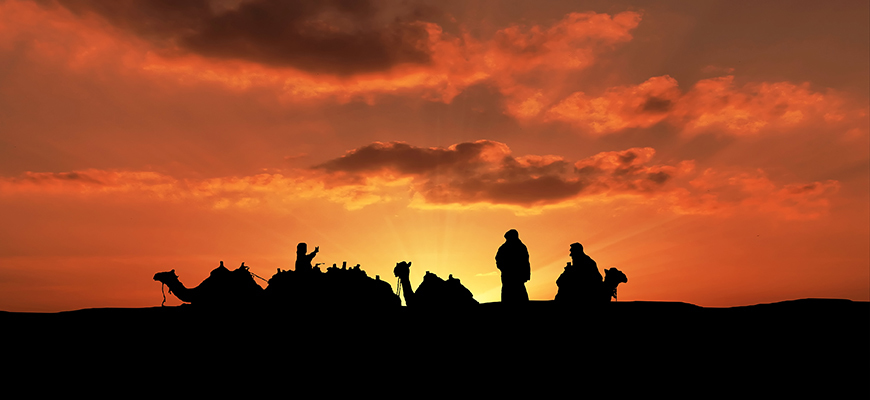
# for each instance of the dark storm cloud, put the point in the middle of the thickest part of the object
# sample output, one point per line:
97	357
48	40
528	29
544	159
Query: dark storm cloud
485	171
158	20
50	177
525	191
656	104
329	36
659	177
407	159
624	171
464	173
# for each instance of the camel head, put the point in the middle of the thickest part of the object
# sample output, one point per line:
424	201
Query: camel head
402	270
614	277
166	277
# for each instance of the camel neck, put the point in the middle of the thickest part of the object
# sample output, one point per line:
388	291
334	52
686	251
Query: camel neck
180	291
407	291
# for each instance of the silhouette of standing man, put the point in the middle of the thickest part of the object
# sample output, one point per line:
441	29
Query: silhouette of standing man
303	261
513	261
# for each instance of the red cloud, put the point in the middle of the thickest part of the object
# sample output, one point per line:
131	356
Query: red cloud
335	37
570	44
621	107
535	54
712	104
716	103
476	174
486	172
526	64
262	191
720	192
309	57
92	181
626	171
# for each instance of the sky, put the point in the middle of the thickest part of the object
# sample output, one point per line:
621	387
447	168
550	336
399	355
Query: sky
716	152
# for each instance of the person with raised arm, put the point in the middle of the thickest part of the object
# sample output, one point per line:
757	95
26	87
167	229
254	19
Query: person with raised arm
303	261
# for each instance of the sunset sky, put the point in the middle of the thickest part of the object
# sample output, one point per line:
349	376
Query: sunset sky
717	152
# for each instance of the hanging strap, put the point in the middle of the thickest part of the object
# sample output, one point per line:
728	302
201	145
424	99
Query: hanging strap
163	304
399	289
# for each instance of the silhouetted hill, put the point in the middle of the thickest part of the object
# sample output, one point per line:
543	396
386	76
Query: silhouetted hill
791	347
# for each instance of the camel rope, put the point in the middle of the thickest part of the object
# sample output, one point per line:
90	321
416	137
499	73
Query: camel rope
399	289
248	268
163	304
258	276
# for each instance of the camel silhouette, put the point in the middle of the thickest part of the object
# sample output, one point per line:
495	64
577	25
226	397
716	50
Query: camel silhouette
311	288
571	292
433	291
222	287
612	278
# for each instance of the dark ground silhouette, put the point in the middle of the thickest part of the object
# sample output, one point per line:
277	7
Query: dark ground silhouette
802	347
341	332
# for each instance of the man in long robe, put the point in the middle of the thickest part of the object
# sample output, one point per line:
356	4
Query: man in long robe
512	259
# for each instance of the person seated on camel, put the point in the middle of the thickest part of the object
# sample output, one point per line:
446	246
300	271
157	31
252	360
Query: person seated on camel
303	261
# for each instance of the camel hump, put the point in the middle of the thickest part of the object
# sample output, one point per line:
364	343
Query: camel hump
219	271
437	292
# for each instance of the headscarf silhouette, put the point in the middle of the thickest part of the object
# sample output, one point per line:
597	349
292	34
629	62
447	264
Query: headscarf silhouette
512	259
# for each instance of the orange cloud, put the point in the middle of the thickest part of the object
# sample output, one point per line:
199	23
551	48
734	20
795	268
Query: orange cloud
57	36
349	56
481	174
521	54
569	44
485	173
319	36
262	191
513	55
626	171
526	64
621	107
92	181
726	192
482	171
716	103
712	104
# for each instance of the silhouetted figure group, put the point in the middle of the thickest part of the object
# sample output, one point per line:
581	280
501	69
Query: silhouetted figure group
579	284
345	287
307	286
